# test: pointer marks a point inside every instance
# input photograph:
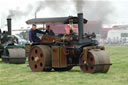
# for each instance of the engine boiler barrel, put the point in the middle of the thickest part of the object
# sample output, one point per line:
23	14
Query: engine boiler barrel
80	25
9	25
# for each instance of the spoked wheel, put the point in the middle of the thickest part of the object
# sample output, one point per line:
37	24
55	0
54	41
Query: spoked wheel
97	62
40	58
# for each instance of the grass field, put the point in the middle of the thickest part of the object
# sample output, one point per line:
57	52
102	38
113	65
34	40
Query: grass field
11	74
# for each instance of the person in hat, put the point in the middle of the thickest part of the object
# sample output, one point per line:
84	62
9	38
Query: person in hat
33	34
49	31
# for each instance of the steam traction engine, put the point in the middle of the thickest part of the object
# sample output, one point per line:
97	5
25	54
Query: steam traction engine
62	52
9	51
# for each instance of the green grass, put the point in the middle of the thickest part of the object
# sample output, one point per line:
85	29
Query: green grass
11	74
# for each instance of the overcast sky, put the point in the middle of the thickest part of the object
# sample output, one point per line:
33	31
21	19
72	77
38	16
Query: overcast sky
116	11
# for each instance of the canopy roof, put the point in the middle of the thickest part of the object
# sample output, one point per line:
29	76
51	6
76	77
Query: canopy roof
55	20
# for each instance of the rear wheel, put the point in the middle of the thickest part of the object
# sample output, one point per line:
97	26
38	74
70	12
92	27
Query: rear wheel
40	58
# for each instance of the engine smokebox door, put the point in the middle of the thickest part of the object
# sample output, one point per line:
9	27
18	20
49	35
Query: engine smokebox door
59	59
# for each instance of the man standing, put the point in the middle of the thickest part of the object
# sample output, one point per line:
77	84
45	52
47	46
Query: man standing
33	34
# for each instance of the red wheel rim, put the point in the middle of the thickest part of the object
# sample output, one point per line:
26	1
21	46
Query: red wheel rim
36	59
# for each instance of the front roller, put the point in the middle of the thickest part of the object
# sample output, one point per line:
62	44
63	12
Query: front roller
14	56
40	58
97	61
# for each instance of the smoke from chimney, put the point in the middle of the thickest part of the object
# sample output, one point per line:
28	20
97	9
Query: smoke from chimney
18	13
94	10
56	5
40	6
79	5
